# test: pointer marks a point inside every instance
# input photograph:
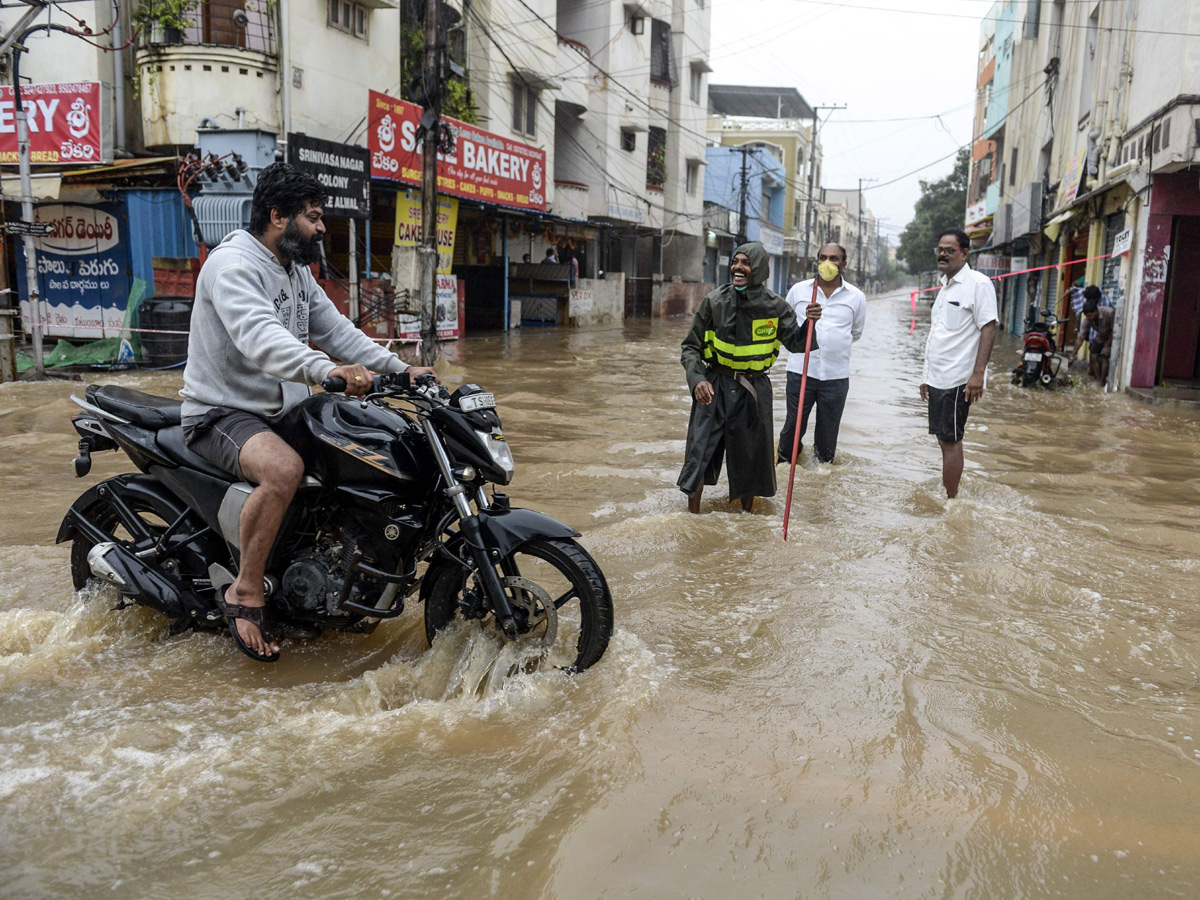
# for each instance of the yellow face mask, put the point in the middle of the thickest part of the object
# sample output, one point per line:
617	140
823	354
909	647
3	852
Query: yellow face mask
827	270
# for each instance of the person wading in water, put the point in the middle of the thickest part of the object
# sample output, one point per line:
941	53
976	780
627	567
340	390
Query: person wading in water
733	342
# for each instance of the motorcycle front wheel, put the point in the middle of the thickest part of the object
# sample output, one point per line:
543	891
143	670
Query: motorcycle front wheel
538	575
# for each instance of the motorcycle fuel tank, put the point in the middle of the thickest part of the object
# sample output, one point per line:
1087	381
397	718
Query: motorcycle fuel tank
348	441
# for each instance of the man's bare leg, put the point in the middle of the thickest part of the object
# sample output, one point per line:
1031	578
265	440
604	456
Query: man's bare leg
694	500
276	470
747	504
952	466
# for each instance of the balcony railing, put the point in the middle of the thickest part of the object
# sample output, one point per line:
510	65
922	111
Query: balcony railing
244	24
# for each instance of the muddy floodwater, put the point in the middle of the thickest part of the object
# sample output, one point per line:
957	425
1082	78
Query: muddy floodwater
997	697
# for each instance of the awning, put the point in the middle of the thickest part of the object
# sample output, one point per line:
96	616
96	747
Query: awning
42	186
1054	226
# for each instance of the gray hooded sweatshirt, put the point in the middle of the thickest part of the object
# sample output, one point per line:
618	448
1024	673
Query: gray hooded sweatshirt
251	324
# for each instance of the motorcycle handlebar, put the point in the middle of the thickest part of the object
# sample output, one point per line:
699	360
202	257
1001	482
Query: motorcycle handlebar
381	382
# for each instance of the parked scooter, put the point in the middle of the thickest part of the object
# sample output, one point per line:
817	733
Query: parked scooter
1040	363
393	504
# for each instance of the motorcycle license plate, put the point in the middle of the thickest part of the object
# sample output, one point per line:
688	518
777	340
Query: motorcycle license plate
477	401
1033	357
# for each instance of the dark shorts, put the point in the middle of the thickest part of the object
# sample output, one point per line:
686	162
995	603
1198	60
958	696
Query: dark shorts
220	435
948	413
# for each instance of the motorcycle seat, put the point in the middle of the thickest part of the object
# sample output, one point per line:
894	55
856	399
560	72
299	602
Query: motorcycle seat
170	441
143	410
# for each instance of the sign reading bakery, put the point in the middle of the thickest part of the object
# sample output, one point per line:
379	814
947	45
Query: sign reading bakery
63	119
480	166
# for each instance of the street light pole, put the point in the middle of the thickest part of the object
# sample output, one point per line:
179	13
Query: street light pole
809	212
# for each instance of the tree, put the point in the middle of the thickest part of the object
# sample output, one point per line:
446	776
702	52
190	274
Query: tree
942	205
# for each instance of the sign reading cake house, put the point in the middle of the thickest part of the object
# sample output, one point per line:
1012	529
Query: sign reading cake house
82	271
479	166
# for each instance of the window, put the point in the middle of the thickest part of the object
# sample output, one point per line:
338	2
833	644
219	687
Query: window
637	25
1012	168
656	158
697	82
693	177
349	17
1087	75
660	52
628	140
525	100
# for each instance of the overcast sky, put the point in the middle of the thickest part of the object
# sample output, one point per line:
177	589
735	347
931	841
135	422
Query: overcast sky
912	60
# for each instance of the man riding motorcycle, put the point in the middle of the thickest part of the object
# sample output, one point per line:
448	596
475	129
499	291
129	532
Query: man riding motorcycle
257	306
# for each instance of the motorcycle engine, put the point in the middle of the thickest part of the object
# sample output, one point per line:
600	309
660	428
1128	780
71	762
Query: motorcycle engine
313	582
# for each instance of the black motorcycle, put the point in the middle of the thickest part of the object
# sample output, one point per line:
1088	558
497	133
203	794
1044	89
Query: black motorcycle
1040	362
394	501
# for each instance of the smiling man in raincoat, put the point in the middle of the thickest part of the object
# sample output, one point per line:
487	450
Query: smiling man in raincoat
733	342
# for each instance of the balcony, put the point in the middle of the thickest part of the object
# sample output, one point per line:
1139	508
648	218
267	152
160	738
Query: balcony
223	67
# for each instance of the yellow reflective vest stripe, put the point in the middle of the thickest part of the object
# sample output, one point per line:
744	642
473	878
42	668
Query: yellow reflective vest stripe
754	357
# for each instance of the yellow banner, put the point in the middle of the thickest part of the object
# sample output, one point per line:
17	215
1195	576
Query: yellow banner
408	226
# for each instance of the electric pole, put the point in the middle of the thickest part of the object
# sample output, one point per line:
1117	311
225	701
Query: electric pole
809	212
740	237
427	253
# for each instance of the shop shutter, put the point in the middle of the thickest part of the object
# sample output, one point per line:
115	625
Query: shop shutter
1110	280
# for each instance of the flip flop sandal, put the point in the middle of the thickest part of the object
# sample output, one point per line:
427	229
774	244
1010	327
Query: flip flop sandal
255	615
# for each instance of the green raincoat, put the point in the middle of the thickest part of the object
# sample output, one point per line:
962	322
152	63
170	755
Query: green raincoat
733	342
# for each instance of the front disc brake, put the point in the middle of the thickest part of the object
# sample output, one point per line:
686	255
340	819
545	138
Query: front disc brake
530	597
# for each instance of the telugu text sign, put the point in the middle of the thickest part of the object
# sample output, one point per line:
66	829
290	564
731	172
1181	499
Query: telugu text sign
480	166
63	119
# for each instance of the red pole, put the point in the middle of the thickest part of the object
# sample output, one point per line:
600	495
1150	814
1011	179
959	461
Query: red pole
787	510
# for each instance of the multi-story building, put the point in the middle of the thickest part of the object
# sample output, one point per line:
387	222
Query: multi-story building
781	122
749	185
1085	166
629	137
853	226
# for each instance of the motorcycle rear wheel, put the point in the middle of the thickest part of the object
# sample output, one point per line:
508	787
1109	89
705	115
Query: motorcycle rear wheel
565	572
154	515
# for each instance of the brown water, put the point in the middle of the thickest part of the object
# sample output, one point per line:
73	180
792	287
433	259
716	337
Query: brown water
996	697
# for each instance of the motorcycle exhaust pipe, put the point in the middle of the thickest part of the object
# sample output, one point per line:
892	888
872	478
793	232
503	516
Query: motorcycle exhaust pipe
134	579
97	560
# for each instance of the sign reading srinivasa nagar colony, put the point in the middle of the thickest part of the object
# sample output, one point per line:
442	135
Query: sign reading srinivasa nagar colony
343	170
479	166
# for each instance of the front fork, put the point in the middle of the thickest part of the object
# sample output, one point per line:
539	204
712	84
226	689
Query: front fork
468	523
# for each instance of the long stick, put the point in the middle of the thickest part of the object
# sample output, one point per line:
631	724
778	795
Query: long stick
787	510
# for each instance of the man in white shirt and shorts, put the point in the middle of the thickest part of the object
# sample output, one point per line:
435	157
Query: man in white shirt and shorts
962	330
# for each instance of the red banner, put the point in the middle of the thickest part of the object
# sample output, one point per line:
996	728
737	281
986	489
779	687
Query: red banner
64	123
481	166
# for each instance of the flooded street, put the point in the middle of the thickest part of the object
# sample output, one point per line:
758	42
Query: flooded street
995	697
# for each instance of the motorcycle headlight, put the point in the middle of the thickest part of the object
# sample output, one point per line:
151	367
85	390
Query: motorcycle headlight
499	450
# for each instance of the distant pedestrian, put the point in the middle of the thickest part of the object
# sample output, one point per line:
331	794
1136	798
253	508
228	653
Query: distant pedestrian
526	259
1080	293
551	256
1098	332
844	313
962	329
733	342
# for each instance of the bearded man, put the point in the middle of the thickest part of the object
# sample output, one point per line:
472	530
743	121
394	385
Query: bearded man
257	307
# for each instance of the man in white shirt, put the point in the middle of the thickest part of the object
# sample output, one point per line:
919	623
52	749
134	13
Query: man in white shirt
962	329
841	324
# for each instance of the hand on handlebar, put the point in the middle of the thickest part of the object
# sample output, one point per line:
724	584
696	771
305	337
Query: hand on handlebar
358	381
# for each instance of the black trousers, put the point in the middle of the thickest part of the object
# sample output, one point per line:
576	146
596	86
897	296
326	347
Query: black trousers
738	425
830	399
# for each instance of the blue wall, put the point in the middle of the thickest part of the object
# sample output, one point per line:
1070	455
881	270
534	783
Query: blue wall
157	224
723	183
